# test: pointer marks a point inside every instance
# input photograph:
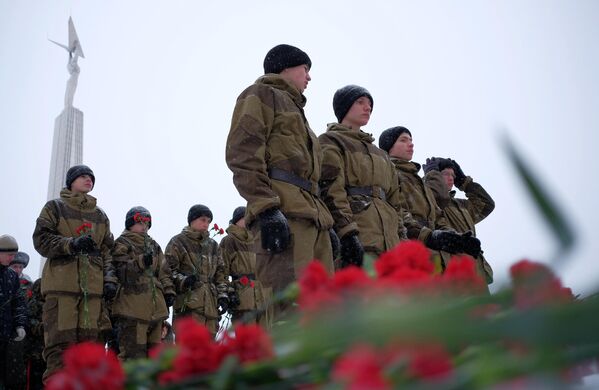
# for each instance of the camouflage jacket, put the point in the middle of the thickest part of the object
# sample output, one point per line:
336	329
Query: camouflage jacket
236	250
195	253
59	222
270	131
360	187
142	289
419	200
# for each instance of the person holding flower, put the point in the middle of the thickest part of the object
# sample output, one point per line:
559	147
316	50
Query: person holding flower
247	296
198	271
73	233
146	289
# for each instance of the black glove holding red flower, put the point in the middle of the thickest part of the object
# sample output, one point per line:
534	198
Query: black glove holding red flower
352	251
189	282
234	299
274	230
83	244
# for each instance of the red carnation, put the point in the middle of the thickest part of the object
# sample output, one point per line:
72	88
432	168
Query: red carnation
83	229
215	227
221	231
536	284
244	280
407	254
461	277
251	343
88	366
348	278
360	368
315	288
430	362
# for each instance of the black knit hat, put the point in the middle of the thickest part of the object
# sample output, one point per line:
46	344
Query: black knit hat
284	56
79	170
20	258
237	215
132	216
389	136
197	211
346	96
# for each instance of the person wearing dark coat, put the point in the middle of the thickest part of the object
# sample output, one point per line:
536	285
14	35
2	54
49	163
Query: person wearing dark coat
13	310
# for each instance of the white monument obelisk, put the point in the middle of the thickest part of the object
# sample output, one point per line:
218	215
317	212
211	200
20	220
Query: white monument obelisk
67	145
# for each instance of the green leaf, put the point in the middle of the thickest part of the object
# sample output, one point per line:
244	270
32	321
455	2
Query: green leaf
548	208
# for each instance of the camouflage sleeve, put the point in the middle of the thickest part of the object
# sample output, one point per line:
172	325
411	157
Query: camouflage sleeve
172	255
434	180
164	272
245	154
479	203
395	198
46	238
105	249
332	182
225	255
220	278
120	260
19	305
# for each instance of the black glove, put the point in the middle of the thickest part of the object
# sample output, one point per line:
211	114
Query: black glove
224	305
189	281
83	244
352	252
471	245
441	240
437	164
169	299
460	177
109	291
234	299
335	244
148	259
275	230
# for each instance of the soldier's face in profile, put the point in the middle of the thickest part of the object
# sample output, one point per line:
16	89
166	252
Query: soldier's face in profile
403	148
200	224
82	184
298	76
449	177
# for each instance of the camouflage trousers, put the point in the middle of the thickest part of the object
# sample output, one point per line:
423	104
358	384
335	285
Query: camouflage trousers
279	270
136	337
66	323
199	316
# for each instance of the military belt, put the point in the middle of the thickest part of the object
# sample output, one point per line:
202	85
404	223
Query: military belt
292	178
367	191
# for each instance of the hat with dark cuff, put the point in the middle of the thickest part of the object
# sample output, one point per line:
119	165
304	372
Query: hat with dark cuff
237	215
8	243
389	136
346	96
284	56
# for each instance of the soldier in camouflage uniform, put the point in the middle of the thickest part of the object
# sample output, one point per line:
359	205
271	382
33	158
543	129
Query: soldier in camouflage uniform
146	289
359	182
13	314
198	271
17	371
276	162
429	225
74	235
247	297
461	214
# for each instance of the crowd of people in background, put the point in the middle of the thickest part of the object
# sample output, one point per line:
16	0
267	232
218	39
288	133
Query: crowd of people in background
336	198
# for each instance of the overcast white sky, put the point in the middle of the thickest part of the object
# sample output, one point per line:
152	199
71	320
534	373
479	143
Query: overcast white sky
160	79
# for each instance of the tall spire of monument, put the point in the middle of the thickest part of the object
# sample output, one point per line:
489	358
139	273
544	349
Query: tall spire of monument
67	144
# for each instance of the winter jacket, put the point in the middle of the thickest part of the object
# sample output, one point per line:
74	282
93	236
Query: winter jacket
463	214
419	200
270	136
195	253
55	229
13	309
142	289
360	187
236	250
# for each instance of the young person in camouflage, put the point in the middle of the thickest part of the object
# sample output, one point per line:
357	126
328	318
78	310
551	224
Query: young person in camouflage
248	299
146	289
359	182
429	225
74	235
461	214
13	311
276	163
198	271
